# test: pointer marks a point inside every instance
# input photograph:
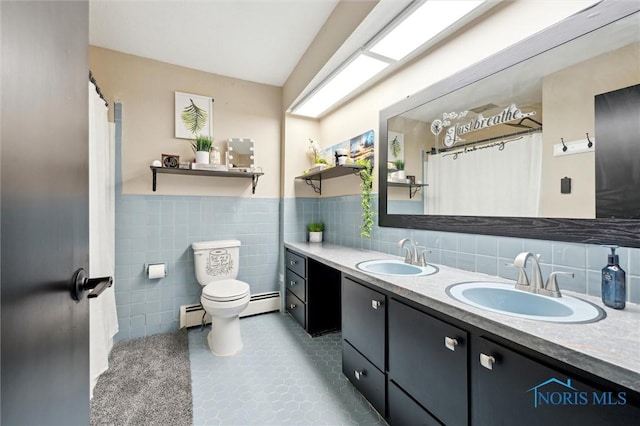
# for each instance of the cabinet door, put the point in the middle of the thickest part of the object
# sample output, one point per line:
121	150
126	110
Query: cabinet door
296	285
363	320
296	309
365	377
519	390
428	359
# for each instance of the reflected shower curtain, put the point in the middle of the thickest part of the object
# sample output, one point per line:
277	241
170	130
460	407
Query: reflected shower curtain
102	310
487	182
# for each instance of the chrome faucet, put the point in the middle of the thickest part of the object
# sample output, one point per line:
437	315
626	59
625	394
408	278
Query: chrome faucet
410	252
523	282
413	255
550	288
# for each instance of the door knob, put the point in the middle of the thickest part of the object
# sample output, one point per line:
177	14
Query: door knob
81	283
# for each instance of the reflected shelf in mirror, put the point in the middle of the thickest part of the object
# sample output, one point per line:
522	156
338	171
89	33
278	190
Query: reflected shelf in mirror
413	187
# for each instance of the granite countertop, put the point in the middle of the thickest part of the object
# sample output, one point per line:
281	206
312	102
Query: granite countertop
609	348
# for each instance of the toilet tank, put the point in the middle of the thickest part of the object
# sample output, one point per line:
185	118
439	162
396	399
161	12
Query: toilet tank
216	260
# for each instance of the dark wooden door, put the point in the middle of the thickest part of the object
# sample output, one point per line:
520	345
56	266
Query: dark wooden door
45	210
617	126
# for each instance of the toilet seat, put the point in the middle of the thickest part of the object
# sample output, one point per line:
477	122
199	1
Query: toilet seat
225	290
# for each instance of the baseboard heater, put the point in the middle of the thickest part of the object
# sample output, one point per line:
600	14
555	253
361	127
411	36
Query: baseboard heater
191	315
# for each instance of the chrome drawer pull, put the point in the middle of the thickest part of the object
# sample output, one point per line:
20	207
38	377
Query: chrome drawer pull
450	343
292	262
487	361
360	374
292	283
375	304
292	306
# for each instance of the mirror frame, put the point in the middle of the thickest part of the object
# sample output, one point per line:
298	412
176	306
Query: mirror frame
623	232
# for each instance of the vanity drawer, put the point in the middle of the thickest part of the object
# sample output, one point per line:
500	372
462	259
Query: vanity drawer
365	377
296	263
296	309
296	285
404	410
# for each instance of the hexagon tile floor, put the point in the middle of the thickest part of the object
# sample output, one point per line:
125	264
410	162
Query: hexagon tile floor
281	377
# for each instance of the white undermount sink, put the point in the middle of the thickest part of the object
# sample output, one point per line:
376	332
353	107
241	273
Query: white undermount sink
505	299
395	267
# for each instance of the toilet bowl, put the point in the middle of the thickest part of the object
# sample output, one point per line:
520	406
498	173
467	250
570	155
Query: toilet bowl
223	296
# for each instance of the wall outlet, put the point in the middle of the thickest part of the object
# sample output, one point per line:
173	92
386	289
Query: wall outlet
574	147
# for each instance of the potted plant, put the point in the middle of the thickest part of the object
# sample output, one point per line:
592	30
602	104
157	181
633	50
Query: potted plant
315	232
318	161
400	174
202	146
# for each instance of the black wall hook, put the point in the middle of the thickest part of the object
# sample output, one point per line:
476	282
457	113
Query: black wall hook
564	147
589	143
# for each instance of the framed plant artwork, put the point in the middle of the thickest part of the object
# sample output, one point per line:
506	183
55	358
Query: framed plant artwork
193	116
395	147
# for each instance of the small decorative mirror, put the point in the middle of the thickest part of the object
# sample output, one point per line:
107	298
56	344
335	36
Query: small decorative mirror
240	154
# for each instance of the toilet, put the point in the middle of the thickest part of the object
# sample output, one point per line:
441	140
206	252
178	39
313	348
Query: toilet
223	297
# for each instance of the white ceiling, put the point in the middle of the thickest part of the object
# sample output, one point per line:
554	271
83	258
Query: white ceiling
256	40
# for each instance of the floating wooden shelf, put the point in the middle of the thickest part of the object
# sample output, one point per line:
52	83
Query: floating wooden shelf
254	176
413	187
328	173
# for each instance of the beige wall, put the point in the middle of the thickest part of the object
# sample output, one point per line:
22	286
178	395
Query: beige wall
568	112
504	25
417	138
146	89
295	153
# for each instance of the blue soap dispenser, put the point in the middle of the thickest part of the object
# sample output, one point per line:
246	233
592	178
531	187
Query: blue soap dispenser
614	288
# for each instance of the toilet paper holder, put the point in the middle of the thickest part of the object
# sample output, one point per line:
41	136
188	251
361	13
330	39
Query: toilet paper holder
156	270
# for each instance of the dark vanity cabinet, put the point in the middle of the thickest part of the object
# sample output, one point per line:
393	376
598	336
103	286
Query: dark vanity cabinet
312	293
417	366
428	364
508	387
364	340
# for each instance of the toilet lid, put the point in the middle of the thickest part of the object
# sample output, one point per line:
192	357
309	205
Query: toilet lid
225	290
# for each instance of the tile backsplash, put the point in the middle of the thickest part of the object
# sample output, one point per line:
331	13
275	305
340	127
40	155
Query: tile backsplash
151	229
478	253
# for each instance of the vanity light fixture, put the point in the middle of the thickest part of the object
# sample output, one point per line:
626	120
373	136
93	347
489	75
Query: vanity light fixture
420	22
420	26
353	74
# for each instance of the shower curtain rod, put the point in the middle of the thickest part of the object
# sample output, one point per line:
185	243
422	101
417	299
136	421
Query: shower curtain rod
435	151
95	83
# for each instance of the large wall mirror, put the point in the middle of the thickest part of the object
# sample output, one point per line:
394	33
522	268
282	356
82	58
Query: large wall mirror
541	140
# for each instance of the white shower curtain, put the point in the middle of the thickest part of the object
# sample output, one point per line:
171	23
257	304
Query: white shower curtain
102	310
487	182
